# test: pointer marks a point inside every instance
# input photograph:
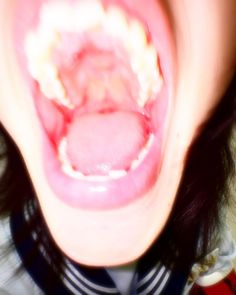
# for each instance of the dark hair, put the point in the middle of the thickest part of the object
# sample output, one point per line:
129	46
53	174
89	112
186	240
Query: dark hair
197	213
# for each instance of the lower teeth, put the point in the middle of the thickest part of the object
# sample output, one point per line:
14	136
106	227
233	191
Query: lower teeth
68	169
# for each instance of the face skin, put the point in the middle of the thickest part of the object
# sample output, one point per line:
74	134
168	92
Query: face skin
203	60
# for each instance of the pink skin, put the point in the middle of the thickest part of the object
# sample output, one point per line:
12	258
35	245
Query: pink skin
197	65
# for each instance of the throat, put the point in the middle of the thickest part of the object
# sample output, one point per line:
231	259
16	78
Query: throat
94	76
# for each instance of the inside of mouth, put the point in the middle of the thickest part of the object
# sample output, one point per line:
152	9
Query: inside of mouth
94	104
100	142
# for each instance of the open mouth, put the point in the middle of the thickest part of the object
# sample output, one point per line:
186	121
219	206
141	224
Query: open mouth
99	71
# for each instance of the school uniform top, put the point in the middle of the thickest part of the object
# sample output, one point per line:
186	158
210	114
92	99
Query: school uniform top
144	277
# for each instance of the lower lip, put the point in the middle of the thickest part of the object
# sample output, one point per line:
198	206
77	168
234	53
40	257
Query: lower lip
110	194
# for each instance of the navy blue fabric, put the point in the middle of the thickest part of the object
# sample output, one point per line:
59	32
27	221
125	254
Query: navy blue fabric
97	275
175	284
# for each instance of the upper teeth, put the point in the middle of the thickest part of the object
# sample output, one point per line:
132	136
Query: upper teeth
87	15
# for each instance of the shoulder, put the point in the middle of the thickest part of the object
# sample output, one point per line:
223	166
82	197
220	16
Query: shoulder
217	264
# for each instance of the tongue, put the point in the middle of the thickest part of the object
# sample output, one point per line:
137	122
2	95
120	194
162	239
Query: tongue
100	142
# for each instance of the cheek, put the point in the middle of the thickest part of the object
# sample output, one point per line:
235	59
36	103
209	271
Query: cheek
206	41
16	109
205	63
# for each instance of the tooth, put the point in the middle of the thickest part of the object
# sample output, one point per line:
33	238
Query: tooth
36	49
146	88
47	76
156	85
143	153
138	161
62	152
45	73
67	169
51	38
150	60
151	56
61	16
66	102
146	61
50	71
134	164
146	68
150	141
57	15
31	46
143	98
115	174
115	23
53	90
88	15
137	39
48	89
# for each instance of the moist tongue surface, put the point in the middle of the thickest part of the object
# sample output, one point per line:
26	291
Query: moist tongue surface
100	142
